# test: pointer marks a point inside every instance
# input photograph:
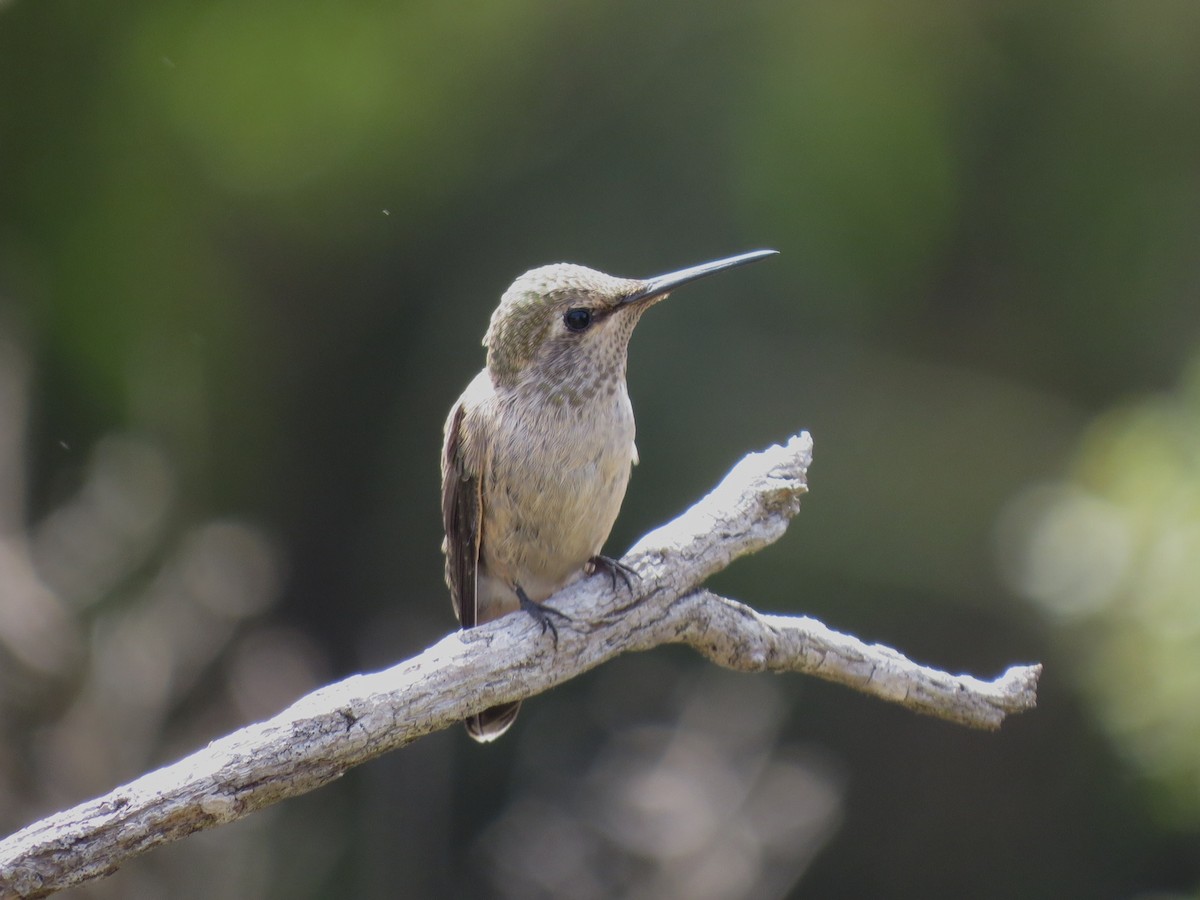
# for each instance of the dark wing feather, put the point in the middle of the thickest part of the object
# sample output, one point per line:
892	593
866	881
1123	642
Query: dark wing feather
464	459
462	517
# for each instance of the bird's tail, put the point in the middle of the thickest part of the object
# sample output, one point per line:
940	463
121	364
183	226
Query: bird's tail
492	722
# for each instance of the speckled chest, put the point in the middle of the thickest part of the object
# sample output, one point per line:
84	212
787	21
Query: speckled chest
556	477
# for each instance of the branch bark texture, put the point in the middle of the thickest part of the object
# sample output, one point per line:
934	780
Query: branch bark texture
344	724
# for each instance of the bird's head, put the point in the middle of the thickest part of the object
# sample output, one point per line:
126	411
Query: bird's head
566	325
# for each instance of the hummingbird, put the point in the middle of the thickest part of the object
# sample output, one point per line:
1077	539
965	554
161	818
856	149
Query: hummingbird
538	449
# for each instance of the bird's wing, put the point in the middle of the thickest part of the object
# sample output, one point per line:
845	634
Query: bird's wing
463	458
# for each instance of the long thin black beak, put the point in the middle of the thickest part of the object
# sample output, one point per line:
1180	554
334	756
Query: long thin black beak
663	284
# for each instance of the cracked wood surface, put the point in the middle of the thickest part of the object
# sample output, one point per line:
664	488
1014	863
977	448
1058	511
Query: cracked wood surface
352	721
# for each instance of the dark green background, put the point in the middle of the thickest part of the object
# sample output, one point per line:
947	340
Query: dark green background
247	254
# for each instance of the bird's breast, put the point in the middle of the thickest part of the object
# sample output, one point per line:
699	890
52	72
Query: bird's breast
555	482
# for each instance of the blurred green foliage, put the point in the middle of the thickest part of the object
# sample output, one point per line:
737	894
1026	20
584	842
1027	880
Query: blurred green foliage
1113	554
257	244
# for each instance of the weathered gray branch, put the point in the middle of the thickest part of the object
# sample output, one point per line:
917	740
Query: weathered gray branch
347	723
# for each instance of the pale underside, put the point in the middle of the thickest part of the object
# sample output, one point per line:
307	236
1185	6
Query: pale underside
532	489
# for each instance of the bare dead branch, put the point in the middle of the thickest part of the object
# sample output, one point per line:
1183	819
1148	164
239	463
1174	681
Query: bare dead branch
344	724
733	635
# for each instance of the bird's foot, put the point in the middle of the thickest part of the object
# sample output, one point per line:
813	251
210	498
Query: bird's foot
541	613
614	568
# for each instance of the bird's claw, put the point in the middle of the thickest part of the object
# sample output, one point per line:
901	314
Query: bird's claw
614	568
542	613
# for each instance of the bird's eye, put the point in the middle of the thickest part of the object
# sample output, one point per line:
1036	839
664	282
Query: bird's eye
577	319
